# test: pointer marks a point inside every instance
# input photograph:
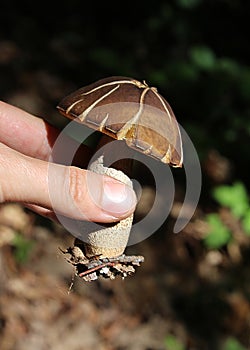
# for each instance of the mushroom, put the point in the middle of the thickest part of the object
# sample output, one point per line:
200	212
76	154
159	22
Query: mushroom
123	109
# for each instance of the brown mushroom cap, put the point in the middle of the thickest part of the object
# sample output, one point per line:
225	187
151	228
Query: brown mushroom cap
125	108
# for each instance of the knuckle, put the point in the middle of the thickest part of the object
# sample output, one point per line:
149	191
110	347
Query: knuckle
77	185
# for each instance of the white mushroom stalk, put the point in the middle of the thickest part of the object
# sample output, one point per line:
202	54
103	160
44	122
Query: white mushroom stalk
112	240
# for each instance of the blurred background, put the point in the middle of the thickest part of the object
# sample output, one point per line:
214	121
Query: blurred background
193	291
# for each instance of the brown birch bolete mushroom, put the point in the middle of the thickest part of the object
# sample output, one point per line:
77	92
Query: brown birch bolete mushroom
123	109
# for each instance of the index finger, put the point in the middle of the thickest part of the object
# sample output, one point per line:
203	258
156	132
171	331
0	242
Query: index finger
28	134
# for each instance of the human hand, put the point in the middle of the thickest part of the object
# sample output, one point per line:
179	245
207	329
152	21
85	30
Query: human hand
26	144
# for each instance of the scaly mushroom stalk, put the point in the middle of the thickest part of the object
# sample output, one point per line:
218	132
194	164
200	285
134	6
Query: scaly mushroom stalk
111	240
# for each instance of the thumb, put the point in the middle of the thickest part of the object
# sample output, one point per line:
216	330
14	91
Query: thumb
70	191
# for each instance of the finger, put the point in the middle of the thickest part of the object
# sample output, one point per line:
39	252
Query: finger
32	136
65	190
26	133
47	213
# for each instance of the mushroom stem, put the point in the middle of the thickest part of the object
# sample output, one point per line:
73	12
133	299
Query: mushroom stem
121	150
110	240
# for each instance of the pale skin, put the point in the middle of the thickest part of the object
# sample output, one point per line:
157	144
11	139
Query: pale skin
26	144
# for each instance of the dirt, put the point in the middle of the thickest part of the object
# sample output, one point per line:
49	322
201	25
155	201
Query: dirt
180	289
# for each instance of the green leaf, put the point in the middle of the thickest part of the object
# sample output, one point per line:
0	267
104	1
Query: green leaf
233	344
203	57
23	248
172	343
246	222
188	3
218	235
234	197
228	65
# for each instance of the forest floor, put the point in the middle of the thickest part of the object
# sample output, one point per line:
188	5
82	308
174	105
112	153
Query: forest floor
181	290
